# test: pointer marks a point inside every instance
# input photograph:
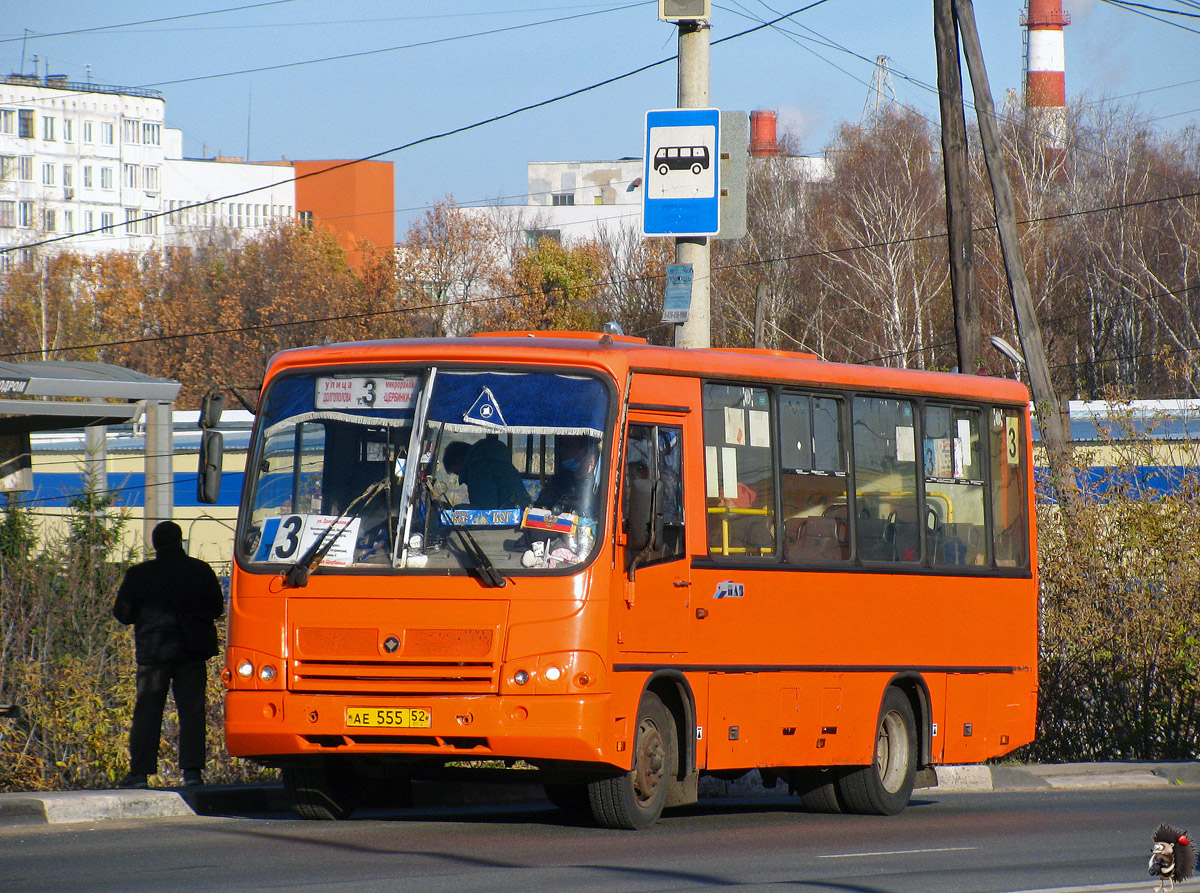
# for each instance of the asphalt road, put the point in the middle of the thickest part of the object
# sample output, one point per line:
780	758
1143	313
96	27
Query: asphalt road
1096	841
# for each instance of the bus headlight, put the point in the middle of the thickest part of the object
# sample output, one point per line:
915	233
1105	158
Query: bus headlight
267	673
520	677
552	674
245	669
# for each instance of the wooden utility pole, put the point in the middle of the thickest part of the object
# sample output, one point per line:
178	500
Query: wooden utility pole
1055	433
967	330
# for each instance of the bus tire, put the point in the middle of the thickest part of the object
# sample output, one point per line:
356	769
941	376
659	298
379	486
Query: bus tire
635	799
885	786
662	170
696	168
321	792
817	789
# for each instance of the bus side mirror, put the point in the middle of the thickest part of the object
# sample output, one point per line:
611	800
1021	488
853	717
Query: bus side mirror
208	478
211	408
639	531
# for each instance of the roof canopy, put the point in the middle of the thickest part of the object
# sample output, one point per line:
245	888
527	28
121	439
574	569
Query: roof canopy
47	395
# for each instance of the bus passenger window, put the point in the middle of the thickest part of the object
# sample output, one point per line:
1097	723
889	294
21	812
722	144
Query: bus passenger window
1009	500
813	479
885	479
954	481
739	468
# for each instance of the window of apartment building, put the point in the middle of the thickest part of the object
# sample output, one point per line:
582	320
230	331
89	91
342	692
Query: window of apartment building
107	135
89	221
533	236
68	221
68	175
131	176
149	226
87	176
150	179
25	124
306	219
48	128
87	131
25	168
131	216
69	129
151	134
106	178
49	220
8	120
8	167
563	198
25	214
106	222
48	175
131	130
8	215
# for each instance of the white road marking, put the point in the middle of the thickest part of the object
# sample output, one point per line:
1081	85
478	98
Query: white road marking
942	849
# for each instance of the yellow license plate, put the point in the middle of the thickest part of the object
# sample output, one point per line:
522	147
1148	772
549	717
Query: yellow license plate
389	717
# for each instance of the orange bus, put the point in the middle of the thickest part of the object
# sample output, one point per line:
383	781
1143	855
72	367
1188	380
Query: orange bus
614	567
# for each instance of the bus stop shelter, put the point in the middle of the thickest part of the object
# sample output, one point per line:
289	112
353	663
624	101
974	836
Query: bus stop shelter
49	395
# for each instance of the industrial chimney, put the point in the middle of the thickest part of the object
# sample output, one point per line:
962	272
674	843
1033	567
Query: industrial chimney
764	142
1045	73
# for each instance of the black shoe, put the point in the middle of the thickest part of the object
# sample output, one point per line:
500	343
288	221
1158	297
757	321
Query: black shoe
134	780
192	778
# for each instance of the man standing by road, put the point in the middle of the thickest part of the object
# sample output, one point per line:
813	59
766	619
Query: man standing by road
172	601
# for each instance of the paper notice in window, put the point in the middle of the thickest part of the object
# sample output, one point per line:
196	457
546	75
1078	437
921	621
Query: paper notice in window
906	444
729	477
964	435
760	428
735	425
712	472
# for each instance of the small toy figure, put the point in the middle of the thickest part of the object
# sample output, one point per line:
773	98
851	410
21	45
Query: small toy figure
1173	857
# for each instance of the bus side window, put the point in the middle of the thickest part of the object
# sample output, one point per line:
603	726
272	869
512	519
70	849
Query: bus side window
1009	500
813	479
739	467
885	480
954	483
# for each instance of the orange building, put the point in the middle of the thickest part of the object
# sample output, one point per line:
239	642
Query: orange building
353	200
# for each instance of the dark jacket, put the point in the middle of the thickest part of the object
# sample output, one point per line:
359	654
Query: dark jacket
172	601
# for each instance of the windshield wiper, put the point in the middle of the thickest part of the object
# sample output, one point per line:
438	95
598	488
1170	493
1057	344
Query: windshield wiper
297	575
481	564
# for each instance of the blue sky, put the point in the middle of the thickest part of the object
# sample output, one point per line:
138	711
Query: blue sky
813	70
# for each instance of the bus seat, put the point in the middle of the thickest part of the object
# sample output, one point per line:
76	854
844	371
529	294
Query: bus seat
873	541
958	544
817	539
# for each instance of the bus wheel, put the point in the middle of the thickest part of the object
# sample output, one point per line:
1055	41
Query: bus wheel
817	789
696	168
884	787
634	800
662	170
322	792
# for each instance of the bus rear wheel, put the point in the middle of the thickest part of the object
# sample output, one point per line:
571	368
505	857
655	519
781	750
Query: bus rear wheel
634	800
885	786
323	792
817	789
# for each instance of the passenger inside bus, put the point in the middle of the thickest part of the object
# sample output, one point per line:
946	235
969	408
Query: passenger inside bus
486	469
572	486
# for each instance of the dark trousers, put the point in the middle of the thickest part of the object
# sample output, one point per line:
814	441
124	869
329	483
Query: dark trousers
187	681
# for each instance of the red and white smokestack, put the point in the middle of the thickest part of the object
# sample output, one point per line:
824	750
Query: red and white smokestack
1045	70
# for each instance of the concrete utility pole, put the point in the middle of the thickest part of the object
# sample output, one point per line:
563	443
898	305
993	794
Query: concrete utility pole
694	250
967	331
1054	429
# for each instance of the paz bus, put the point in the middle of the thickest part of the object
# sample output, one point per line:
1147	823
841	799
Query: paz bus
723	560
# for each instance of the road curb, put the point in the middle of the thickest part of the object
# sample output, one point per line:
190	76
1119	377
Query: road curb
63	807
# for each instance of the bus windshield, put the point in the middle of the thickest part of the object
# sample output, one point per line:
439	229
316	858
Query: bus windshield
445	469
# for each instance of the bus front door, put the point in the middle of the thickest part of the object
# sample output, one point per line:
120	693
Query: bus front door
657	571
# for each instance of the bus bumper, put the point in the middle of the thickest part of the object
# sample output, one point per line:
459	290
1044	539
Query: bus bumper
268	725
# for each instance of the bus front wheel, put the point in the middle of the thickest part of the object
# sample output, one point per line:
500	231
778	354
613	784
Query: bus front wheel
634	800
885	786
324	792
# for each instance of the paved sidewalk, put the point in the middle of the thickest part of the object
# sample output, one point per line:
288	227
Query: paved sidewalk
62	807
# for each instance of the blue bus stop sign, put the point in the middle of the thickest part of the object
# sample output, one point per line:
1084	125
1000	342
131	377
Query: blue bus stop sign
681	184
